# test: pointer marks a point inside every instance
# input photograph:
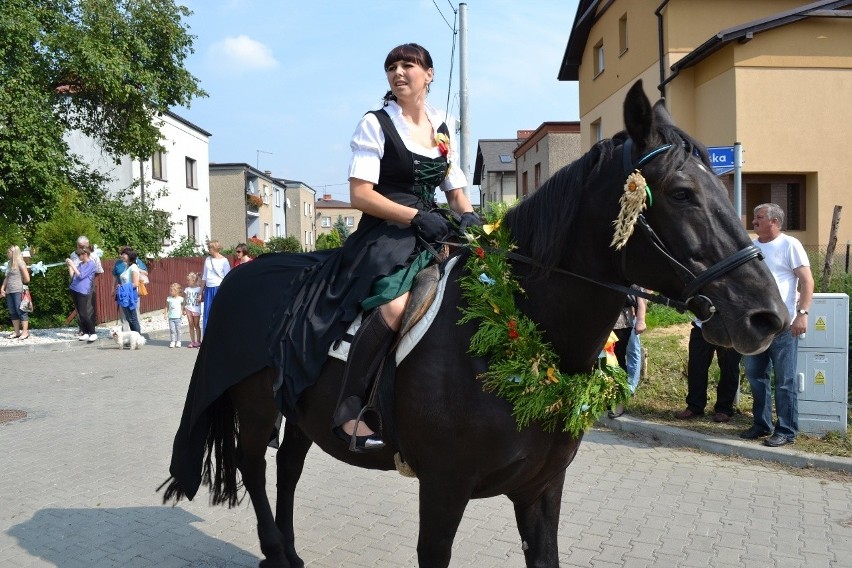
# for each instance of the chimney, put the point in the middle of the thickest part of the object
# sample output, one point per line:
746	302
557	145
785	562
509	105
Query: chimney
326	197
268	172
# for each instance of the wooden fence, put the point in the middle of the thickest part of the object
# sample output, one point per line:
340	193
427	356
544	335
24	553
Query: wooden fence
161	274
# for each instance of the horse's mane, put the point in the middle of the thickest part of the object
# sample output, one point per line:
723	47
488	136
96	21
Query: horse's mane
541	224
547	216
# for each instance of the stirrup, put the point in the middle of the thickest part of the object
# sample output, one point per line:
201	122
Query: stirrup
360	444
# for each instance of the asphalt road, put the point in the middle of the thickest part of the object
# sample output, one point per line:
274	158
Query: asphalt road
78	474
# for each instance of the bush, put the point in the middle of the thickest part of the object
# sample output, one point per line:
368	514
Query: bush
187	247
283	244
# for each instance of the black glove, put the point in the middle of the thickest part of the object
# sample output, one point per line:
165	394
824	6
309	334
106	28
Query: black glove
431	226
468	220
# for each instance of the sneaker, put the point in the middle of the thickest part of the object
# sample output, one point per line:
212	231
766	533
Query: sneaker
177	344
172	345
721	417
777	439
82	337
92	338
754	433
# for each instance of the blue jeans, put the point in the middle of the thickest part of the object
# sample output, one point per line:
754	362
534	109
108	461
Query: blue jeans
780	356
633	359
13	304
132	320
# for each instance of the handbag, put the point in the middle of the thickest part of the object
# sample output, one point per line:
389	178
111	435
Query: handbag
26	301
142	290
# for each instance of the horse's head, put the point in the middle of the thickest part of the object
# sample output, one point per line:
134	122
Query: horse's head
690	243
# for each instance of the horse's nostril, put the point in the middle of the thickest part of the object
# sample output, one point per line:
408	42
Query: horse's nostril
765	323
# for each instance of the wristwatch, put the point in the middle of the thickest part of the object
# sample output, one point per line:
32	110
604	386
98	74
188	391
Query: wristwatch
802	312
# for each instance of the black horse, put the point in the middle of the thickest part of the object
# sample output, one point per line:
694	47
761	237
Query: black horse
463	442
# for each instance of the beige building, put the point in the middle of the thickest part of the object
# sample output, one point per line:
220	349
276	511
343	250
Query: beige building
544	151
301	216
773	75
494	171
242	199
328	211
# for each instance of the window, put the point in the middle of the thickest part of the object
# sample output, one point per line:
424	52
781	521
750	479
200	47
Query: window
192	228
266	231
278	230
524	186
596	131
265	194
538	175
191	173
306	242
326	222
158	166
788	191
505	159
350	221
622	35
277	197
598	54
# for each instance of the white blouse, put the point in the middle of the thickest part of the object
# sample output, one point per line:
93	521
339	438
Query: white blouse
214	271
368	146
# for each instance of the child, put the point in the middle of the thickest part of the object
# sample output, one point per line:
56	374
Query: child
192	309
174	311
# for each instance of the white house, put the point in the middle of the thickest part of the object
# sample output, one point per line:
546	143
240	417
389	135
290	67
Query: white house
180	172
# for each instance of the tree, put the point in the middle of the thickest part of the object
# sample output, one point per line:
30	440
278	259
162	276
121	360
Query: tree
329	240
340	227
107	68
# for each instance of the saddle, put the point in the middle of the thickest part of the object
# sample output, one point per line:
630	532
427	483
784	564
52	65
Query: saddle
427	293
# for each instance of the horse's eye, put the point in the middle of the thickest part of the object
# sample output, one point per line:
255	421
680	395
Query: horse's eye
680	194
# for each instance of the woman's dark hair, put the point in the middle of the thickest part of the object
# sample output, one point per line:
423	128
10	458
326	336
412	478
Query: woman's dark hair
411	52
131	254
242	247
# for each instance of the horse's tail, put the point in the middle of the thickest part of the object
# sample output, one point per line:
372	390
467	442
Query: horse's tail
220	454
220	447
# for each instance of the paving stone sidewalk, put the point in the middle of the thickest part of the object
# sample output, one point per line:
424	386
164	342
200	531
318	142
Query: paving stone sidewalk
79	471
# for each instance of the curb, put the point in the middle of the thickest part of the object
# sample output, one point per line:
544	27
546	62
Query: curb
672	436
67	345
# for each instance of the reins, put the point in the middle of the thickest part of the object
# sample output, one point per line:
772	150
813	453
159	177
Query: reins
702	306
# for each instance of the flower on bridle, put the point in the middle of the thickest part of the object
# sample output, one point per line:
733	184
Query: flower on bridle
632	203
443	142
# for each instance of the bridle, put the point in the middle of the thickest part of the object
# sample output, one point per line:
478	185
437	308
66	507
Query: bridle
700	305
689	298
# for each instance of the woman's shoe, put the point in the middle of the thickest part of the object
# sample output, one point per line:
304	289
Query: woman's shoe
13	336
22	337
369	443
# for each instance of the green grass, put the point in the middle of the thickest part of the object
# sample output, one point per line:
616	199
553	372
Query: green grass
662	393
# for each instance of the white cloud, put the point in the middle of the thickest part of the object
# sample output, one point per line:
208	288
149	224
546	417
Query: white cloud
242	53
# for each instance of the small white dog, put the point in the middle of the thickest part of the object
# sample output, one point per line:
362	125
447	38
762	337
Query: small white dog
132	339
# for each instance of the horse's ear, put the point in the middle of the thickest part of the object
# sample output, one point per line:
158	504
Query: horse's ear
638	115
661	113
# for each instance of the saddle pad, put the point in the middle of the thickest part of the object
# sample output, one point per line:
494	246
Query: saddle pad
340	349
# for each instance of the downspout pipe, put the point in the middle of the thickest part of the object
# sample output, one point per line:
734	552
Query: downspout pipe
660	47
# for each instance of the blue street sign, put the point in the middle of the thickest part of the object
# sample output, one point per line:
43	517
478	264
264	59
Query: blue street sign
721	158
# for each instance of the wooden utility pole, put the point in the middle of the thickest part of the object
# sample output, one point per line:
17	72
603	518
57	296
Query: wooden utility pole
829	251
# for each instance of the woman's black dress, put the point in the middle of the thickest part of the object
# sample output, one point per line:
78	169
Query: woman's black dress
285	310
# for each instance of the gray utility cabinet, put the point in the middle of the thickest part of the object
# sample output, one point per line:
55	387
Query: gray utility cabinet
822	367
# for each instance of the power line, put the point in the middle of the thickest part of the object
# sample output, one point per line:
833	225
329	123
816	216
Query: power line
442	14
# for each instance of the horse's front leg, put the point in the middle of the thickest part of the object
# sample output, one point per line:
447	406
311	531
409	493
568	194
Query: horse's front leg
256	410
290	461
442	506
538	523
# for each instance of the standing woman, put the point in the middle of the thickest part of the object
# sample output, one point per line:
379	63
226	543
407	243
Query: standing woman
216	267
82	273
12	289
127	295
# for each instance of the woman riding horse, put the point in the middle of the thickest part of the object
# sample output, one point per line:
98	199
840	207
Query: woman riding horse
463	441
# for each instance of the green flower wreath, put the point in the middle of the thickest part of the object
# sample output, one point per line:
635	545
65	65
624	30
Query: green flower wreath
524	369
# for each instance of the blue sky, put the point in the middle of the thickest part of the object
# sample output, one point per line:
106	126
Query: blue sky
292	79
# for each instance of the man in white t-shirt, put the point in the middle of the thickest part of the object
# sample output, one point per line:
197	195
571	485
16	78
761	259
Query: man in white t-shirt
786	259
